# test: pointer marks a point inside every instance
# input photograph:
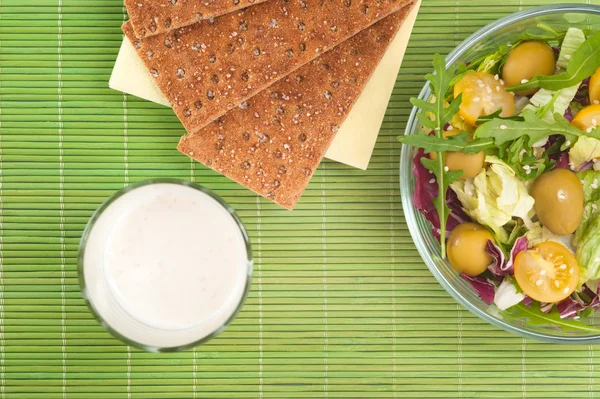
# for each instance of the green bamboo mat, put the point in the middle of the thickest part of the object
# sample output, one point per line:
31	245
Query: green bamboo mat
341	306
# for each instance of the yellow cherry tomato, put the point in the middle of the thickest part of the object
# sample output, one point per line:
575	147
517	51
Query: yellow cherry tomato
547	273
469	164
466	249
482	94
595	88
588	118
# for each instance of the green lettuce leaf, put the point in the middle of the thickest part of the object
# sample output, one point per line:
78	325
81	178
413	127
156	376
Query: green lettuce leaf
547	103
588	250
494	197
584	150
587	235
590	180
539	234
571	43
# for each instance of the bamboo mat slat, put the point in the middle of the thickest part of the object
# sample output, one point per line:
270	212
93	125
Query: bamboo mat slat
341	305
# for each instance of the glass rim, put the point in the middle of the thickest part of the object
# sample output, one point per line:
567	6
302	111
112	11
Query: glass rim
410	213
90	225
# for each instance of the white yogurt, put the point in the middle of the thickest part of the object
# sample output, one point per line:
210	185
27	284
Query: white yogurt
165	265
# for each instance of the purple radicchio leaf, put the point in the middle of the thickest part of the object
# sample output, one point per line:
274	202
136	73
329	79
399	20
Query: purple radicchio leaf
457	214
501	265
426	189
499	259
563	161
569	115
570	307
561	158
521	245
527	301
484	288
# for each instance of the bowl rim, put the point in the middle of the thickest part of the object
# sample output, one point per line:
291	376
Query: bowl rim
410	213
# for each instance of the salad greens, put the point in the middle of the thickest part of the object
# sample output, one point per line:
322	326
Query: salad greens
588	250
435	115
572	41
536	316
460	142
506	176
587	237
493	62
542	32
547	103
494	197
585	150
533	127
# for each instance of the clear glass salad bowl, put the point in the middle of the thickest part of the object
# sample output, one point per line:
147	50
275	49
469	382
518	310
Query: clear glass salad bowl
486	40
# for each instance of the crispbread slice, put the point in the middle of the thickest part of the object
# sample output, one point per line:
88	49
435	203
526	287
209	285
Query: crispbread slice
273	143
151	17
209	68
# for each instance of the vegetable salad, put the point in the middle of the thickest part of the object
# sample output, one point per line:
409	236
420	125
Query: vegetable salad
507	170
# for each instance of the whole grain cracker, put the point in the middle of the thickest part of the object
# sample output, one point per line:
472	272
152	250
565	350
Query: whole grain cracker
152	17
273	143
207	69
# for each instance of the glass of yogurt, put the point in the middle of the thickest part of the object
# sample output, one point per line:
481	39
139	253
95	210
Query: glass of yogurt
165	265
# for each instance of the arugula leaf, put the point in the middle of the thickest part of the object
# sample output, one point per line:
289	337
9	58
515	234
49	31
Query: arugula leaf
545	33
544	109
584	62
518	230
519	155
491	63
434	115
534	316
496	115
460	142
503	130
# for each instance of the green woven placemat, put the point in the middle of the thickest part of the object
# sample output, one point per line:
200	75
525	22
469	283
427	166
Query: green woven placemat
341	306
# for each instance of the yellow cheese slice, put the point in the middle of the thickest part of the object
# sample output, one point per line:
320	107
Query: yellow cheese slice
354	142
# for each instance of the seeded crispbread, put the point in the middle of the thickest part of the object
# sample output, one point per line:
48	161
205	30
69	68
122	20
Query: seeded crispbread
209	68
273	143
151	17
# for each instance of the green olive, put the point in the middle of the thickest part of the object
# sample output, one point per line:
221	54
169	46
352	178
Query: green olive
470	164
466	249
526	61
559	201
